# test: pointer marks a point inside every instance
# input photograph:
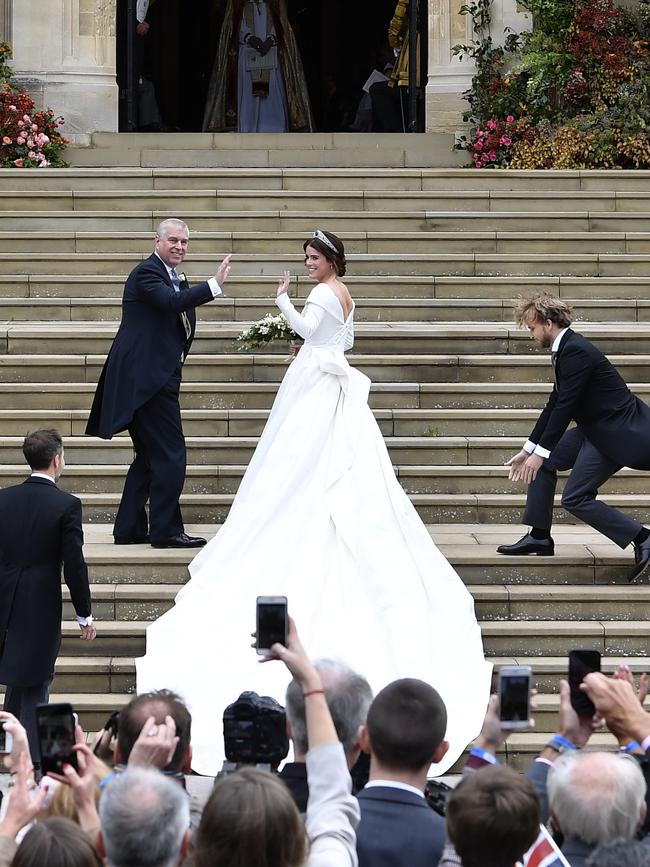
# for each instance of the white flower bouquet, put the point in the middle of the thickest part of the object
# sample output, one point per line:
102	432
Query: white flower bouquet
268	329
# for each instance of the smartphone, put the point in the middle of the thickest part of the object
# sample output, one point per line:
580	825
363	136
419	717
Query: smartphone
6	741
582	663
271	622
514	696
55	724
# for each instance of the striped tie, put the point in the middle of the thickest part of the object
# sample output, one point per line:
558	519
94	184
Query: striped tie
176	281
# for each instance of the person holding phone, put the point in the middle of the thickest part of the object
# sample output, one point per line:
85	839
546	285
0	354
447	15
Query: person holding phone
41	535
321	519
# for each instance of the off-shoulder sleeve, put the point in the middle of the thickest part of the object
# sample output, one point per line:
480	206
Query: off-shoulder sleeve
304	323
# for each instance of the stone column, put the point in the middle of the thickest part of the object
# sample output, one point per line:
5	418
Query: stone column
64	56
448	76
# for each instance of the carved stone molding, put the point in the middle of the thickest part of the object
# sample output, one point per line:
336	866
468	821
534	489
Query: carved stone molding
6	12
105	13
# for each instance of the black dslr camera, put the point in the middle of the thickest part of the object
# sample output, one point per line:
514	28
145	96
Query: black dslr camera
255	731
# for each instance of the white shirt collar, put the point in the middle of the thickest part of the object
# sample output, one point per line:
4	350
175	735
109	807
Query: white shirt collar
394	784
169	270
558	340
43	476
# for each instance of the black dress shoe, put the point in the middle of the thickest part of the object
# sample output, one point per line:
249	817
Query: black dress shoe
180	541
131	540
528	545
641	560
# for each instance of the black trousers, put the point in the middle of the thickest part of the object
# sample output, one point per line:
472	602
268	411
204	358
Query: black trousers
21	702
157	473
589	470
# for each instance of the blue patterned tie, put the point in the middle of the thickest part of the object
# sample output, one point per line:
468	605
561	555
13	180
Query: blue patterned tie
176	282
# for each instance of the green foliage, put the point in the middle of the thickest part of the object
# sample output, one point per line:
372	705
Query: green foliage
572	93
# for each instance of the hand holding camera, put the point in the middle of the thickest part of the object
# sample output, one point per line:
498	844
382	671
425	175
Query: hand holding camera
26	799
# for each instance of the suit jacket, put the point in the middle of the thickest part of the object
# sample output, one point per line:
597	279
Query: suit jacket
398	829
148	346
590	391
294	776
40	532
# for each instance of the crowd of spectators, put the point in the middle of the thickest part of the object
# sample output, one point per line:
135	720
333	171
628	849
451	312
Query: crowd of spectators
578	805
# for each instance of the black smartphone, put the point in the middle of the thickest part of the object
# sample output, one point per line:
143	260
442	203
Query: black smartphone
271	622
55	724
582	663
514	696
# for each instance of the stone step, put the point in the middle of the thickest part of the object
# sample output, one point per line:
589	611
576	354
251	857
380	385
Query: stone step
41	399
319	200
581	291
90	310
583	556
419	451
116	674
356	242
245	369
199	265
512	638
432	508
483	338
225	479
250	422
316	178
339	221
512	603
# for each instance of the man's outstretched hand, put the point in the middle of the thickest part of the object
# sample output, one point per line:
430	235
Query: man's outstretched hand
223	271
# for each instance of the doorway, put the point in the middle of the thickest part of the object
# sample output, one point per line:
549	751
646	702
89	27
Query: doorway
340	41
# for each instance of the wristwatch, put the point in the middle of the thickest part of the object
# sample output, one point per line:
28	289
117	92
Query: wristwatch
561	744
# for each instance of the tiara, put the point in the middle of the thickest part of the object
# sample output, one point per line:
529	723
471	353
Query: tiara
321	236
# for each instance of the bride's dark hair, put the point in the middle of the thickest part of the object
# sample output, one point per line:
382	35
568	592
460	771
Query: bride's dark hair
336	258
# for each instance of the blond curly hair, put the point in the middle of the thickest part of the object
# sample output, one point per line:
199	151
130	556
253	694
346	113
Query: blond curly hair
541	307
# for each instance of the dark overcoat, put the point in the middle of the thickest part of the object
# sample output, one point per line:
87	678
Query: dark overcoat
40	534
148	345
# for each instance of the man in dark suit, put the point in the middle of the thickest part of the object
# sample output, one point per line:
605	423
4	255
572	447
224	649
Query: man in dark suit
139	388
348	696
404	735
40	531
612	430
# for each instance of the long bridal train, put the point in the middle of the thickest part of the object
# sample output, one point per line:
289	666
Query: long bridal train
321	518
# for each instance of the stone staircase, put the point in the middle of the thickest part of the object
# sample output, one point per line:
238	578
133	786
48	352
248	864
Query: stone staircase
436	257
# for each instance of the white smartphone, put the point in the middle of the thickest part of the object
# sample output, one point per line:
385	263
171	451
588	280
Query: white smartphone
514	696
271	623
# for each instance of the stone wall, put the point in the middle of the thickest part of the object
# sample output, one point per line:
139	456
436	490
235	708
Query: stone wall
64	56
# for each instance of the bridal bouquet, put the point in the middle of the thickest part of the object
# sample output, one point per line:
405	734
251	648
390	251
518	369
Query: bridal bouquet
268	329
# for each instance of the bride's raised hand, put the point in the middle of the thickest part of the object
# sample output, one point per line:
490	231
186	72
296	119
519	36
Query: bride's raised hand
283	285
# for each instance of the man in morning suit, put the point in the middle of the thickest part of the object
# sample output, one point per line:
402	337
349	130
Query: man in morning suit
138	389
40	531
404	734
612	430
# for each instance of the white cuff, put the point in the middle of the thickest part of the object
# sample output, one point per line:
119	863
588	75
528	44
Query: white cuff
85	621
214	287
543	453
529	447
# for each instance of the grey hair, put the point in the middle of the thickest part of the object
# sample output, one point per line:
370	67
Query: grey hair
144	817
596	797
163	227
348	696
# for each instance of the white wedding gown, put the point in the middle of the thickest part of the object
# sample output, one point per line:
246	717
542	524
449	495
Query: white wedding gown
320	518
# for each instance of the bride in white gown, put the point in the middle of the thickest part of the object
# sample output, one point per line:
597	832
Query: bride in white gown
320	518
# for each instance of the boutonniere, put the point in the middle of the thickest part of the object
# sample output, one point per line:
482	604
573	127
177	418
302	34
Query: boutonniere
183	277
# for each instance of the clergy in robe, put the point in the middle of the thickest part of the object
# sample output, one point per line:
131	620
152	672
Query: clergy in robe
258	83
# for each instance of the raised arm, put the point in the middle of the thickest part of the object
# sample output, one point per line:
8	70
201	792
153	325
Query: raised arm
304	323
